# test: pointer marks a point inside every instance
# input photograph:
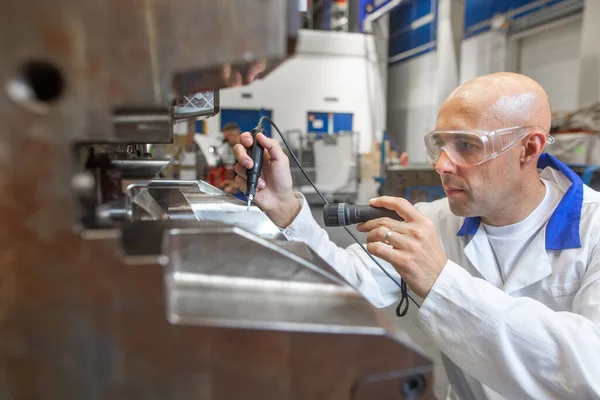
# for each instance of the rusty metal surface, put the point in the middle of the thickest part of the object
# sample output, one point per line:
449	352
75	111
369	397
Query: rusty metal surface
115	54
79	324
79	318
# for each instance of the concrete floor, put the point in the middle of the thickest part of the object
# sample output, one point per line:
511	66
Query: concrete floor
368	190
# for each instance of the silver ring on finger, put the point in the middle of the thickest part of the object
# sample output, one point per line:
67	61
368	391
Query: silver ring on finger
388	236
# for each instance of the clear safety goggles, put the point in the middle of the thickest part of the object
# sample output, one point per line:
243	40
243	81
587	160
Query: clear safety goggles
474	147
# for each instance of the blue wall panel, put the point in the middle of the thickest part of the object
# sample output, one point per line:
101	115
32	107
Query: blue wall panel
378	4
407	12
480	11
410	40
478	14
342	122
245	118
400	18
402	37
328	122
317	122
362	11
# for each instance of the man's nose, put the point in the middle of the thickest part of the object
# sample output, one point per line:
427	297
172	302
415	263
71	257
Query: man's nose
444	164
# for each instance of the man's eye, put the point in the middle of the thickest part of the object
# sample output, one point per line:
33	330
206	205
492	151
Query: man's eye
464	145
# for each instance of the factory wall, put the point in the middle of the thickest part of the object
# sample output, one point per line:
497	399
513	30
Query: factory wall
552	57
549	53
411	103
412	63
483	54
332	72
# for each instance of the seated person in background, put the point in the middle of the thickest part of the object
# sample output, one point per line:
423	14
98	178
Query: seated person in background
231	137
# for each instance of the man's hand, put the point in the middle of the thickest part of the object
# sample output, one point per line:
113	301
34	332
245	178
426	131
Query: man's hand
229	187
232	76
274	194
414	248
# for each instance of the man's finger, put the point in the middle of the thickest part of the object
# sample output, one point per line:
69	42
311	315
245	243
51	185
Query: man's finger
395	239
242	173
259	186
381	234
272	146
241	183
242	156
226	72
380	250
246	139
376	223
235	78
240	170
255	69
397	258
402	206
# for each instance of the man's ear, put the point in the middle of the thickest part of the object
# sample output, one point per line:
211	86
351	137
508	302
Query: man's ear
533	146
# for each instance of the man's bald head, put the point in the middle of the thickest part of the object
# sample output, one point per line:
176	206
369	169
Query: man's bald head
506	189
496	101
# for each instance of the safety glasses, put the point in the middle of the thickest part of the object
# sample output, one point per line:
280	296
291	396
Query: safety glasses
474	147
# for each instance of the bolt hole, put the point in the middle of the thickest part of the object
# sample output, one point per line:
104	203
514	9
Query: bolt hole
37	86
413	387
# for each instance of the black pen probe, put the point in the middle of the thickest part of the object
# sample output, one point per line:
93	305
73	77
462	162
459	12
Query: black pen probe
252	174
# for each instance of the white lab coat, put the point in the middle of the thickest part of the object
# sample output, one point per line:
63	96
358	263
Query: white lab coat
537	336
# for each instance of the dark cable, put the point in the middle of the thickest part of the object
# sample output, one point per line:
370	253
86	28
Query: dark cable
260	122
402	307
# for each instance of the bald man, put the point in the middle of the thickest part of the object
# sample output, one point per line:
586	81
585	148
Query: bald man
508	264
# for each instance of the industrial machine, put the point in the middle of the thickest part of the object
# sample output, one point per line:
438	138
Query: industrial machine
116	284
